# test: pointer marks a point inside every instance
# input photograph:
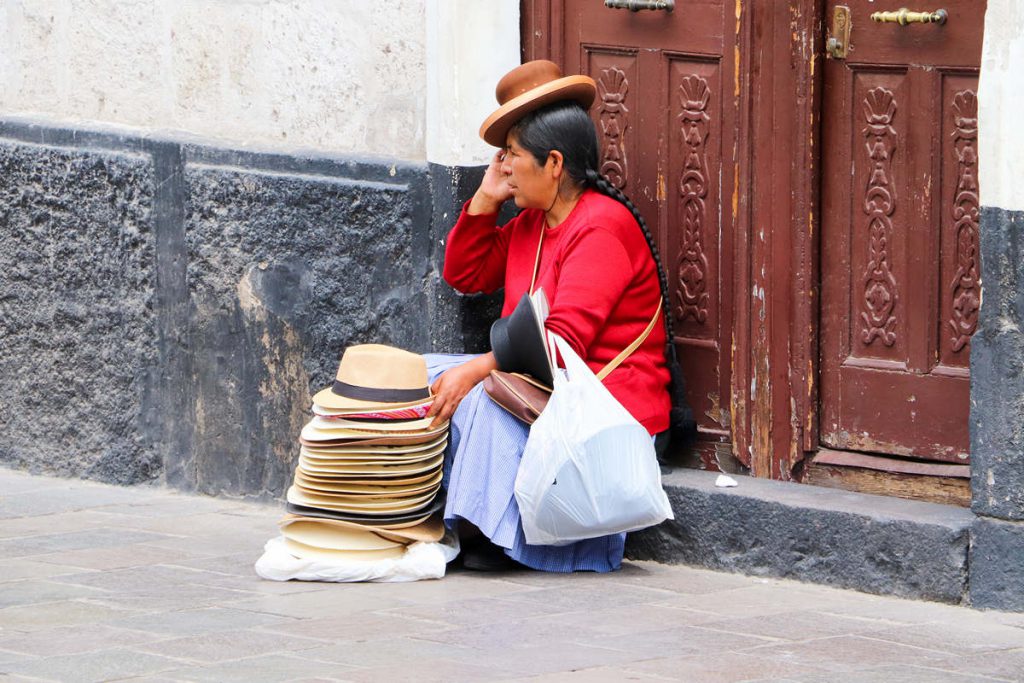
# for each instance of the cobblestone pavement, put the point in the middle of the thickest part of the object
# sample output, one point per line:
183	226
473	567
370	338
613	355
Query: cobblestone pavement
104	583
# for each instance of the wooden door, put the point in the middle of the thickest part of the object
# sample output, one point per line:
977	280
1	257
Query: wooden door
666	115
899	235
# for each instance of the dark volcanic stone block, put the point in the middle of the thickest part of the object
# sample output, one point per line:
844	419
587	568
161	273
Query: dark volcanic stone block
847	540
284	271
997	371
77	326
997	559
461	323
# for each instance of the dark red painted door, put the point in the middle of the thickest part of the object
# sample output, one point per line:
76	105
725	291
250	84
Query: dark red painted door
666	112
899	239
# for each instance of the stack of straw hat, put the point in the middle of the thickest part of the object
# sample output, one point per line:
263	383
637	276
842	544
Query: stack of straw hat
369	473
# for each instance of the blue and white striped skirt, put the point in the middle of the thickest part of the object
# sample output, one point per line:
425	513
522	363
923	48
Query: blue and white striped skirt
484	449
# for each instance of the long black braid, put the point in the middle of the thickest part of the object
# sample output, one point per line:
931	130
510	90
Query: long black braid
567	127
681	420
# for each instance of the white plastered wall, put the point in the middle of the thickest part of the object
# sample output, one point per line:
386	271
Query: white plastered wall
336	76
1001	107
327	76
470	45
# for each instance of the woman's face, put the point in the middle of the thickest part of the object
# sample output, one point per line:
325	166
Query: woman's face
533	186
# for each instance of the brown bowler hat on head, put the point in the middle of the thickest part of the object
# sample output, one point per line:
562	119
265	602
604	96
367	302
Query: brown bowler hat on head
530	86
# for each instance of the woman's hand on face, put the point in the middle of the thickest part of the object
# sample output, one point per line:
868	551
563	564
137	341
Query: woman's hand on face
494	189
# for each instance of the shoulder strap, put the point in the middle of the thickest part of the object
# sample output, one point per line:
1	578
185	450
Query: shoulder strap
536	260
614	362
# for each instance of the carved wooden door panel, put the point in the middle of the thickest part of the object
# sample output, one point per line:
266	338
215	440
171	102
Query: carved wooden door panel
666	112
899	240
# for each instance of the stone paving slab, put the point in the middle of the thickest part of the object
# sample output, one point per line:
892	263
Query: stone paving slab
149	584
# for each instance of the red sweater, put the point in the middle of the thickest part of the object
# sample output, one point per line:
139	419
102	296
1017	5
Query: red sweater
600	281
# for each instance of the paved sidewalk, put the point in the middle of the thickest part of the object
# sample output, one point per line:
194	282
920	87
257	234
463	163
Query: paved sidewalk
101	583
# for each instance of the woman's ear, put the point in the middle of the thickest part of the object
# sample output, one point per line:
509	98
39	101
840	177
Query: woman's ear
556	162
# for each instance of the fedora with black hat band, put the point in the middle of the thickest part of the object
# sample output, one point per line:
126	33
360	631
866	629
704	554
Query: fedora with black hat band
377	376
528	87
517	341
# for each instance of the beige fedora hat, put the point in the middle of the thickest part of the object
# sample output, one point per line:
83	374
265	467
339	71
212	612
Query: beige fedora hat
367	502
429	530
372	501
401	480
312	432
328	424
318	535
300	497
376	452
341	457
308	552
404	413
337	470
399	520
404	469
342	486
528	87
368	505
377	376
375	440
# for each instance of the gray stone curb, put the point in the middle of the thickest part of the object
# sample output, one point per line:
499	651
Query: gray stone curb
869	543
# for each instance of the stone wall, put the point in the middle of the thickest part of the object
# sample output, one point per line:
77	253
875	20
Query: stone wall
204	201
169	309
78	322
997	349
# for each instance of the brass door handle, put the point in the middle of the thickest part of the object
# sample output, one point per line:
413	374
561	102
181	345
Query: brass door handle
903	16
637	5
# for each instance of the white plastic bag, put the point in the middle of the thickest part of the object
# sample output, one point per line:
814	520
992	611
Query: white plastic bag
589	468
422	560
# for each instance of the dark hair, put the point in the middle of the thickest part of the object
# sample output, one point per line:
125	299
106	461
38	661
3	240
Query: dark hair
566	127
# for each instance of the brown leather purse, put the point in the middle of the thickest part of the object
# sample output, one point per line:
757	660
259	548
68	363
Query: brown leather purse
525	398
521	395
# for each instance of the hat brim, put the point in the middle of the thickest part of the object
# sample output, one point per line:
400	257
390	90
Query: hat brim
311	433
495	127
375	470
401	480
340	485
299	496
517	341
326	398
326	424
388	522
341	461
431	530
308	552
375	452
367	504
317	533
324	444
326	458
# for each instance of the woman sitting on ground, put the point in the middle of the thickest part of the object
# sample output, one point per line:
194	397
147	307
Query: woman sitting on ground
585	244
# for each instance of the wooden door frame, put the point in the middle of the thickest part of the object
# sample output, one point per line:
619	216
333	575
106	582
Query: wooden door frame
784	98
776	213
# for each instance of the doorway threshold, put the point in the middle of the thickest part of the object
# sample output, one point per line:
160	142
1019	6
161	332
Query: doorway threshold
934	482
